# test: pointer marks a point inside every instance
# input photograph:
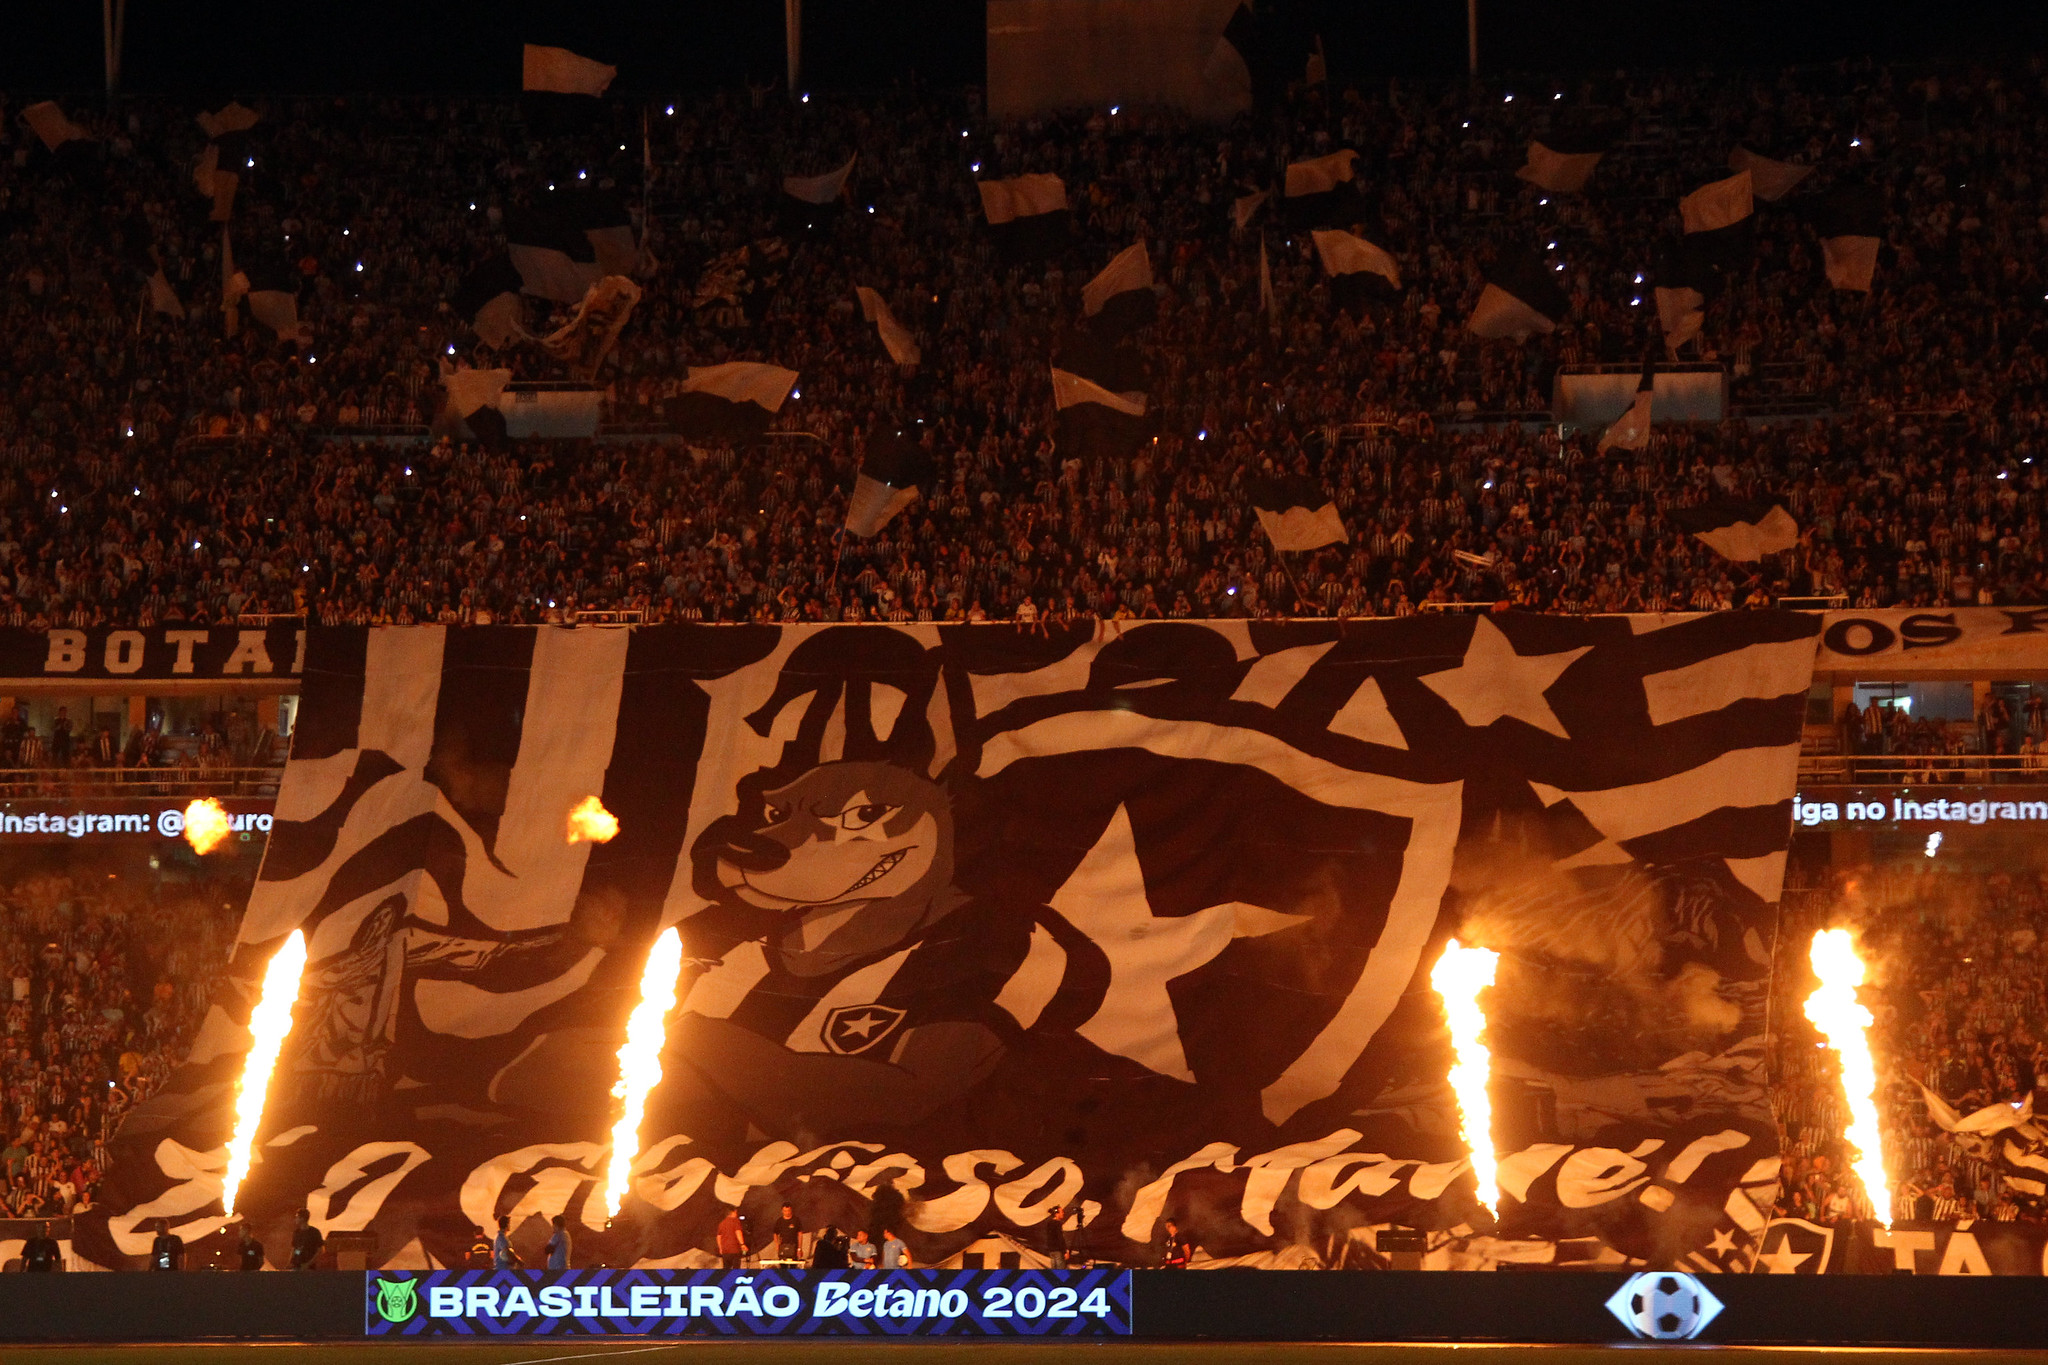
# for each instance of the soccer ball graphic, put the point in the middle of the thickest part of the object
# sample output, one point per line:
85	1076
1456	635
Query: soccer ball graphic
1664	1306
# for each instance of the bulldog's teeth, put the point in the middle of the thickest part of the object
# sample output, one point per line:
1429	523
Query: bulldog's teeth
880	869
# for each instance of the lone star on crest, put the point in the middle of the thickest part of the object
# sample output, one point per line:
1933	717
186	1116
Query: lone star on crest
1105	899
1495	683
860	1025
1784	1261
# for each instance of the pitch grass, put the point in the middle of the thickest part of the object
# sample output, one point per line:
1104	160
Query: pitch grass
762	1352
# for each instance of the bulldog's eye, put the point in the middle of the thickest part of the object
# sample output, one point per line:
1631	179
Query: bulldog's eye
777	814
860	817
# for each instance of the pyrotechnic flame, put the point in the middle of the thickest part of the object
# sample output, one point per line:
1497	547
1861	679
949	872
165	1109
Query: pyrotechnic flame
640	1061
269	1025
206	824
590	822
1459	975
1844	1022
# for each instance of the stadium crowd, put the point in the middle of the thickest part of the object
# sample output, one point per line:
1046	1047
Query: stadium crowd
1962	1009
153	469
106	981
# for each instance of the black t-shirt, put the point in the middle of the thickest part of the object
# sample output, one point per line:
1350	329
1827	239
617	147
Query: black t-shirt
250	1254
167	1252
306	1244
40	1254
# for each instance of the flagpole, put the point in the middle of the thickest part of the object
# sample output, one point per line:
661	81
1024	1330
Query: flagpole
1471	37
1300	597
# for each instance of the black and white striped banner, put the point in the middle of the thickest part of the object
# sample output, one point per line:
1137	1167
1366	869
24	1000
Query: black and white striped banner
980	922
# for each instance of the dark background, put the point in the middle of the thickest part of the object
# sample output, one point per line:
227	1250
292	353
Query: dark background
227	46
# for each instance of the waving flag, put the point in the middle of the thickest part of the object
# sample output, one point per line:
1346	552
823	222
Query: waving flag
893	474
1295	512
1027	215
896	338
557	70
1119	300
1521	297
1631	430
1361	274
1850	224
735	400
1771	179
1323	192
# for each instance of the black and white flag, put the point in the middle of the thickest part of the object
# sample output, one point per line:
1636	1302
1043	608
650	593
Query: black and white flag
1096	422
473	397
1736	529
52	125
1295	512
555	258
896	338
586	339
974	922
1718	220
733	401
1522	296
1028	215
1770	179
558	71
819	190
1119	300
1685	280
1361	275
1562	161
893	474
1245	207
488	297
1631	430
1849	220
1323	192
2008	1137
227	157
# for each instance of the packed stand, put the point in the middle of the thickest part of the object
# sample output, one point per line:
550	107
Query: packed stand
1961	1002
106	981
154	470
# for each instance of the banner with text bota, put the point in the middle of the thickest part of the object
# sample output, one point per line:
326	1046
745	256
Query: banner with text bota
164	653
1050	939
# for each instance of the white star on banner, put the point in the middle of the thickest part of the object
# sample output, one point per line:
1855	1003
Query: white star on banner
1105	899
1784	1261
1494	682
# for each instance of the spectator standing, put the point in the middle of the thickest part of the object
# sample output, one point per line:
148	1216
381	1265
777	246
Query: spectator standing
307	1241
732	1239
40	1254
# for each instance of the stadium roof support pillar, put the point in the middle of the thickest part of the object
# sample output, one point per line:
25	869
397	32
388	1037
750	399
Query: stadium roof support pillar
793	37
113	26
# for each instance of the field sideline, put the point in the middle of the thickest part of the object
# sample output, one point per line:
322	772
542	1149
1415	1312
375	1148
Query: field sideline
642	1352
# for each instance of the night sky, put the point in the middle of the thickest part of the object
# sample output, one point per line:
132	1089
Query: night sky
210	47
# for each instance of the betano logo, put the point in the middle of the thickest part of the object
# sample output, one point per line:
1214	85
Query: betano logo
397	1300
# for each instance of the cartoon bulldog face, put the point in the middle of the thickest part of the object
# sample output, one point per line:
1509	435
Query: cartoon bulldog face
849	834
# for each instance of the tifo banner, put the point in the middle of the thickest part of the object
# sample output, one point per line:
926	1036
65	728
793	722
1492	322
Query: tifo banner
1793	1246
883	1303
1047	938
1969	642
165	653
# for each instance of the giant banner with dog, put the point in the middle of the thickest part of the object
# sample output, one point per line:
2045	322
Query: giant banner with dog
1052	937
